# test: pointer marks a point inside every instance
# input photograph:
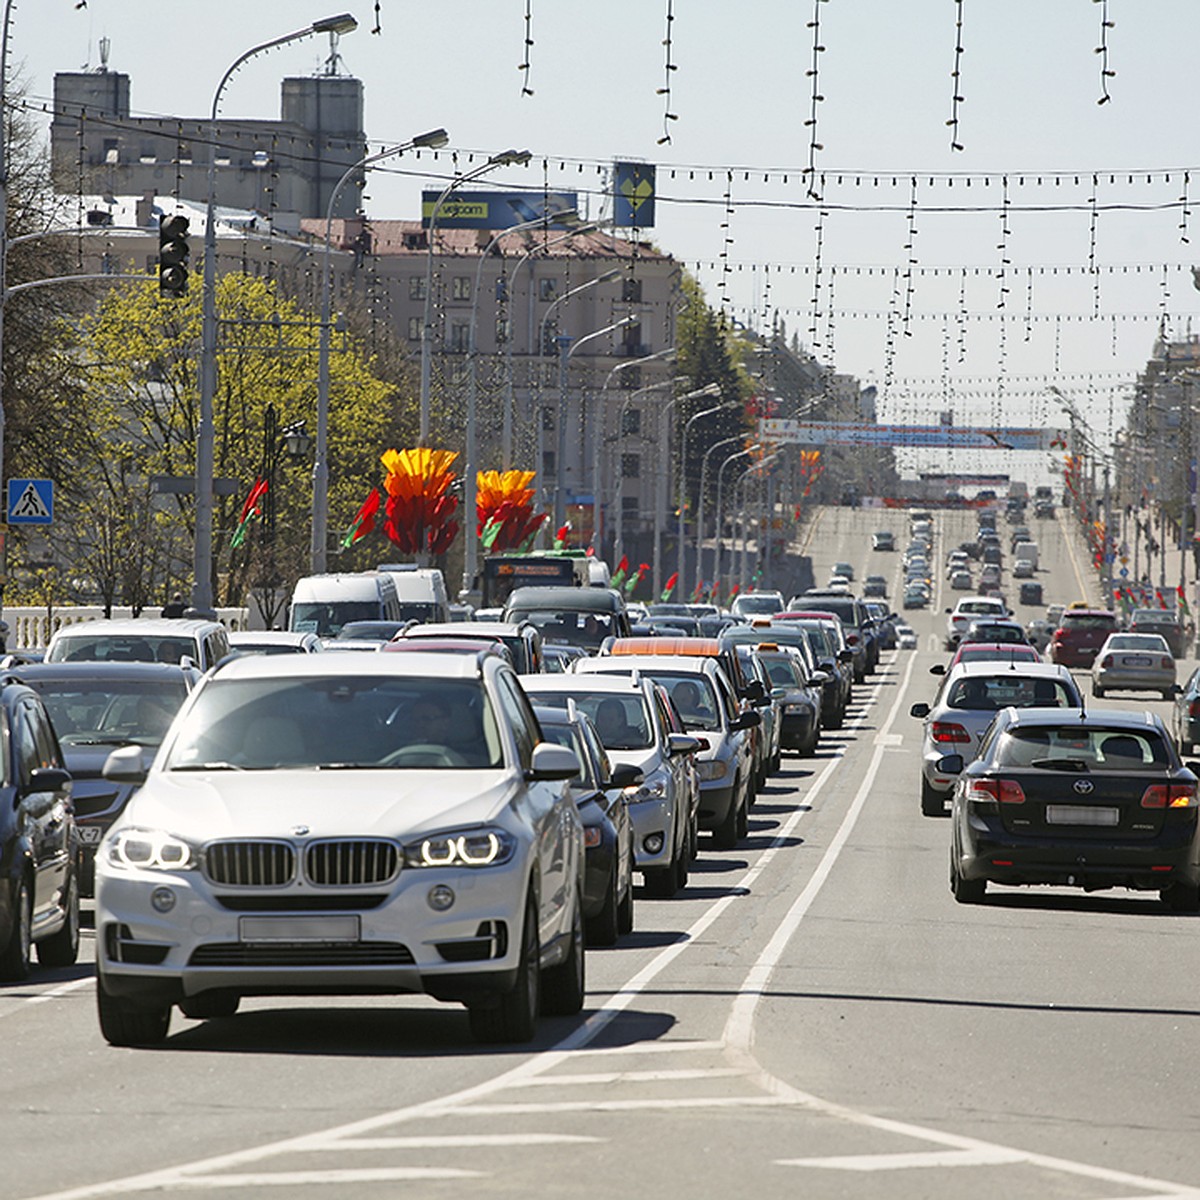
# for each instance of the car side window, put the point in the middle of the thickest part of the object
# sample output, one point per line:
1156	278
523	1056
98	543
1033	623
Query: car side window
524	724
728	703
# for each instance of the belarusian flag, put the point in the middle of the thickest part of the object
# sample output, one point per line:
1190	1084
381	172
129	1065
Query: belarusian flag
1183	604
560	537
618	576
364	520
251	509
698	591
666	592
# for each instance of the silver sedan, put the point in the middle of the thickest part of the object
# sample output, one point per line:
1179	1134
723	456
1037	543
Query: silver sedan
1139	662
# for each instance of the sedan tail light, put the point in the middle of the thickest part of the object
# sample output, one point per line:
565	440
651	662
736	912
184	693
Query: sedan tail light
949	731
1107	661
1169	795
1166	663
1194	707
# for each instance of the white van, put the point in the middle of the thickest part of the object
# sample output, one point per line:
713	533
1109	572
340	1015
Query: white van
421	592
1028	550
141	639
322	604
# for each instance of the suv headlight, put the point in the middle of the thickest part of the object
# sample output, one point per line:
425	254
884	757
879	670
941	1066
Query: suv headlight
473	848
150	850
800	706
711	768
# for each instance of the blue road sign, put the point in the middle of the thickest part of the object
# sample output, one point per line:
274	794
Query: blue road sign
30	501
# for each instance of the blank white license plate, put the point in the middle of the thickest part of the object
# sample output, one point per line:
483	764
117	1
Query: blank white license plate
1081	814
299	929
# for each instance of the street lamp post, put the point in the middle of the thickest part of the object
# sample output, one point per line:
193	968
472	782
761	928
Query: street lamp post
712	389
506	158
470	469
567	348
743	482
202	559
619	499
294	441
318	549
737	437
720	515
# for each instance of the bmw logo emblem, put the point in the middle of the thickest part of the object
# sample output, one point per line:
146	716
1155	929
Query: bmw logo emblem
303	830
1084	786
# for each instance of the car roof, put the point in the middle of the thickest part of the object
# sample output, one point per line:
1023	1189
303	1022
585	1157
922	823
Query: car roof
679	664
582	682
466	629
680	646
1092	718
104	670
264	666
268	637
1029	669
141	626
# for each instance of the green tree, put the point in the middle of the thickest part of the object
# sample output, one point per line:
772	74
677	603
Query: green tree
140	358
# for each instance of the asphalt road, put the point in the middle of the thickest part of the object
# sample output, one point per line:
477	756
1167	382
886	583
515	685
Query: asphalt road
813	1016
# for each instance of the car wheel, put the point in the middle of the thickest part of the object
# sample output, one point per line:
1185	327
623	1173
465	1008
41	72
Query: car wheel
209	1006
1168	694
1097	691
694	838
1182	897
61	949
125	1021
15	957
625	910
604	928
564	987
965	891
512	1016
933	803
725	835
660	881
743	817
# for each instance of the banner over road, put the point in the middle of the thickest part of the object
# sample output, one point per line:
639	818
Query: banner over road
848	433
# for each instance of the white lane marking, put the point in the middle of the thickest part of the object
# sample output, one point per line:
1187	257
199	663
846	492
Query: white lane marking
889	741
666	1102
547	1060
44	997
350	1175
601	1077
895	1162
461	1141
656	1048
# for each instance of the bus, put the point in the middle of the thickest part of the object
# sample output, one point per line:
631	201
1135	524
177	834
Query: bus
503	572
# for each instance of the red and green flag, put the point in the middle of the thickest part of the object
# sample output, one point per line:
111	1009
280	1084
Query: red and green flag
251	509
618	576
1183	604
698	591
561	534
364	520
643	569
666	592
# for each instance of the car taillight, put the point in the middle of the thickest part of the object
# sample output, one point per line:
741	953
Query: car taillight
1006	791
949	731
1107	661
1194	707
852	639
1169	795
1166	663
1058	635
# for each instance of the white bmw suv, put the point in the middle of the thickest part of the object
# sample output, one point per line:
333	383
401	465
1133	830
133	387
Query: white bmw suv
344	824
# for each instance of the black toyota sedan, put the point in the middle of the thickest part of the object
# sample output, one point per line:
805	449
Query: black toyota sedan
1091	800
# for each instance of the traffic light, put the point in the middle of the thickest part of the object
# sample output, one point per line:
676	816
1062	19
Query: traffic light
173	256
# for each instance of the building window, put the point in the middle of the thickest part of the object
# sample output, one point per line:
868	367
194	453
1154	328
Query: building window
550	338
460	337
548	420
631	507
414	329
112	151
549	464
416	287
631	466
503	330
460	287
631	379
547	289
631	340
631	421
631	291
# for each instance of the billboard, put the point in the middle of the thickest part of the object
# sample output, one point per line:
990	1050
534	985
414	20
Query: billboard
500	210
847	433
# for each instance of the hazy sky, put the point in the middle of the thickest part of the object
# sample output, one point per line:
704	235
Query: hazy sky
1093	266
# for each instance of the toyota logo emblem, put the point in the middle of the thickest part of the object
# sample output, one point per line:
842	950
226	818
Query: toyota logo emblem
1083	786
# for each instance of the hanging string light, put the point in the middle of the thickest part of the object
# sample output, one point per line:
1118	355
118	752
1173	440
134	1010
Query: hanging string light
814	75
1002	246
525	66
1102	50
1184	211
1093	222
726	226
956	76
668	68
910	251
815	310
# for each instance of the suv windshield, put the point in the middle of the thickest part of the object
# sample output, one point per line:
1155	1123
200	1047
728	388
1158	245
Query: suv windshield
338	722
326	620
621	721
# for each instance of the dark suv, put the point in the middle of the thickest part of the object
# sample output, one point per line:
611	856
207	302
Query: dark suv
1080	634
1166	621
39	847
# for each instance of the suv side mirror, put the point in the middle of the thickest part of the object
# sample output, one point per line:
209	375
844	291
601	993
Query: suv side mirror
746	720
551	763
683	743
919	710
125	765
755	692
624	775
49	779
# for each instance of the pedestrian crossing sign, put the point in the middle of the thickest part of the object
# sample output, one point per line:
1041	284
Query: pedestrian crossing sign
30	501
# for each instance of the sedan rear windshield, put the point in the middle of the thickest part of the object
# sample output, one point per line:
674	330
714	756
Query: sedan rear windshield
980	693
622	722
338	722
1074	749
1088	621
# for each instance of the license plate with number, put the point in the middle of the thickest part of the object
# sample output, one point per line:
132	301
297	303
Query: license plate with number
90	835
1082	814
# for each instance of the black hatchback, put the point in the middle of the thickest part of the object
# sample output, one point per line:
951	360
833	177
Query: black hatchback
1089	800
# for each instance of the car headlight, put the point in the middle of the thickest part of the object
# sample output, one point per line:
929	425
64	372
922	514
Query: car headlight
475	848
712	768
150	850
650	789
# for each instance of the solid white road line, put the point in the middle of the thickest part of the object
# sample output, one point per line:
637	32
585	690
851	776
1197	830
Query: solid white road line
893	1162
462	1141
604	1077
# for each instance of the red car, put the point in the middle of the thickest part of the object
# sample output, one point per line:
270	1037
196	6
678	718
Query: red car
1080	634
